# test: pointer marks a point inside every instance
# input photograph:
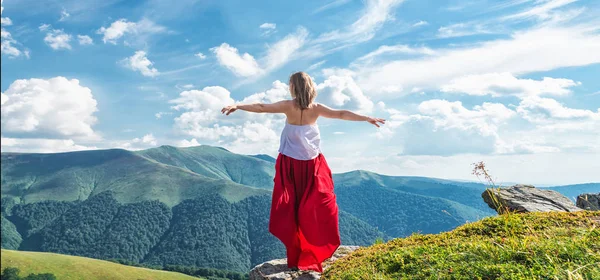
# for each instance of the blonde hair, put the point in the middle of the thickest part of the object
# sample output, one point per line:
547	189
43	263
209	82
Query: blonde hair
303	89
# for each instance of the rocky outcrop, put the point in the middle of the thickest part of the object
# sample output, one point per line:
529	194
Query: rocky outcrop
589	201
527	198
278	270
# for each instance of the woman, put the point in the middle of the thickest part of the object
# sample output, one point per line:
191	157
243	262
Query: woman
304	212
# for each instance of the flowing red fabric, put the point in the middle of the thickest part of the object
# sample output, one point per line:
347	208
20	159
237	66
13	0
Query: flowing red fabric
304	212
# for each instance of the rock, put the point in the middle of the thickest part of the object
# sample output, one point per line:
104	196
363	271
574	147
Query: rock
278	270
527	198
589	201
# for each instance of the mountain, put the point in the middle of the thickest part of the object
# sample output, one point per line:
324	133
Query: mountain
572	191
130	176
200	206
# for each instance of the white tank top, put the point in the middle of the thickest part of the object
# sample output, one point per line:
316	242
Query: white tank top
302	142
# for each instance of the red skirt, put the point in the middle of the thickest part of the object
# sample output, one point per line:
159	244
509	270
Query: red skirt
304	212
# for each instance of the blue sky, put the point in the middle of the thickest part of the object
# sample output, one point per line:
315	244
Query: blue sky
513	83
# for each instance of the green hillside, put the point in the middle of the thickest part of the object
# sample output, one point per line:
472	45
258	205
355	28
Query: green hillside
72	267
216	163
554	245
131	177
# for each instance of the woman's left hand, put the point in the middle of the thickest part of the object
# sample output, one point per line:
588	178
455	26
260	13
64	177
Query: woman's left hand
229	109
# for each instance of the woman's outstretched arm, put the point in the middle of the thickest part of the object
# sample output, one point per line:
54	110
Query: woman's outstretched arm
347	115
277	107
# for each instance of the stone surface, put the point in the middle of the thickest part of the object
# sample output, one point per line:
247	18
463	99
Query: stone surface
589	201
278	270
527	198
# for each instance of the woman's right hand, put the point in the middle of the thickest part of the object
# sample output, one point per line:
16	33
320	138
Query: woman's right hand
375	121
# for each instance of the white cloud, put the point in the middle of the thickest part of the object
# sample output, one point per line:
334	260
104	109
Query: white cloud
552	115
462	29
52	108
540	49
121	27
268	28
420	23
64	15
240	132
268	25
37	145
316	65
44	27
85	40
58	39
330	5
541	11
499	84
5	21
389	50
200	55
343	92
281	52
246	65
185	143
445	128
375	14
139	62
161	114
146	142
8	44
241	65
7	47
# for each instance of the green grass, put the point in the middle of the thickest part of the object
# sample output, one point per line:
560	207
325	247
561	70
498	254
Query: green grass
72	267
552	245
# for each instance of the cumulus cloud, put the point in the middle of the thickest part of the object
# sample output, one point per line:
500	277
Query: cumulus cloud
240	132
52	108
122	27
57	39
551	115
343	92
500	84
85	40
8	46
139	62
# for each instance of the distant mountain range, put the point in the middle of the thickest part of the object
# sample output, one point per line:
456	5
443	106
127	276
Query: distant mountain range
203	206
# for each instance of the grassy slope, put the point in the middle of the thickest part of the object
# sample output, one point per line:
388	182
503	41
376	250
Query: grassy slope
216	163
518	246
71	267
